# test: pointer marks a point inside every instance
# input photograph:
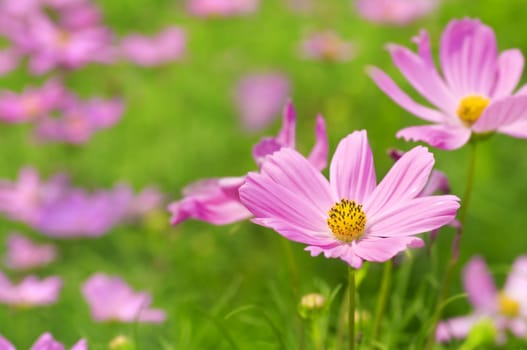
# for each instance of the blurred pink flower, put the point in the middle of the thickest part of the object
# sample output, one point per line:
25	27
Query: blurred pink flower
44	342
22	253
167	46
217	200
507	309
259	98
9	59
474	97
31	104
350	217
80	120
327	46
398	12
30	292
111	299
221	8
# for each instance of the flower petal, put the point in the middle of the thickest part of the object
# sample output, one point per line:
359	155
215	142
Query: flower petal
455	328
319	154
510	69
438	182
390	88
405	180
501	113
468	57
344	252
287	134
479	285
352	172
411	217
516	285
517	129
382	249
445	137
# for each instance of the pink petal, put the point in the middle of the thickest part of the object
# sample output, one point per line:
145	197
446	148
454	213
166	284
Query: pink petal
441	136
423	77
383	249
352	172
457	328
405	180
518	327
319	153
80	345
286	135
517	129
5	344
438	182
411	217
344	252
516	285
501	113
390	88
468	57
510	68
479	285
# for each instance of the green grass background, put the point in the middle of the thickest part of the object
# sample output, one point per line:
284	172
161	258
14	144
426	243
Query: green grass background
233	283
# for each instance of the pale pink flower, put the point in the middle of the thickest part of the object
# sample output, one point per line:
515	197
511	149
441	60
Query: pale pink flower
167	46
79	120
475	94
22	253
398	12
9	59
111	299
327	46
350	217
31	291
44	342
506	309
217	200
221	8
259	98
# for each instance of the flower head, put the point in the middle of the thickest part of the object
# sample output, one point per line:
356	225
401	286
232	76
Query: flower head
221	8
506	309
111	299
398	12
217	200
474	94
30	292
327	46
350	217
45	341
22	253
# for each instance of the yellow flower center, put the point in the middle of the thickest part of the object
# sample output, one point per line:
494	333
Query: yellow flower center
62	39
508	306
471	107
347	220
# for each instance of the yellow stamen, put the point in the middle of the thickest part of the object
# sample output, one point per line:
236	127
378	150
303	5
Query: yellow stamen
471	107
347	220
62	39
508	306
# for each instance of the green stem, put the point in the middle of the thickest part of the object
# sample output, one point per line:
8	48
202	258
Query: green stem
292	267
462	215
317	339
351	307
383	297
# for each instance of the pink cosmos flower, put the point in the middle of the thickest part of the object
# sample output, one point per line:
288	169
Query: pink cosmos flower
44	342
398	12
350	217
32	103
217	200
9	59
22	253
327	46
30	292
167	46
506	309
221	8
111	299
80	120
259	98
474	95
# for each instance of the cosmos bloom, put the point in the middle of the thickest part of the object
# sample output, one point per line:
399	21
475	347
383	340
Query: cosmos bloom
217	200
259	98
350	217
506	309
32	103
398	12
167	46
474	95
79	120
22	253
44	342
221	8
327	46
30	291
111	299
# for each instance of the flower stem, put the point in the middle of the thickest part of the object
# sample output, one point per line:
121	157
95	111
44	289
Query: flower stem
351	307
445	287
383	295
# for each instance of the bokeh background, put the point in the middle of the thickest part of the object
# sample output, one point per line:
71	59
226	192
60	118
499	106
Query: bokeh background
223	283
